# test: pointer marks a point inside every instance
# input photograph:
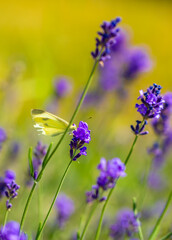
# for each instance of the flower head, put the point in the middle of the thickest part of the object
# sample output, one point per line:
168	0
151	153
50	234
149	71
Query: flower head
11	231
3	136
126	225
152	102
62	87
7	179
161	125
11	192
139	128
38	155
14	150
80	136
137	61
106	40
65	208
110	171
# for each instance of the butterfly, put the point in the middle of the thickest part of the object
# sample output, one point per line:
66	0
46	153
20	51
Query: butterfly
50	124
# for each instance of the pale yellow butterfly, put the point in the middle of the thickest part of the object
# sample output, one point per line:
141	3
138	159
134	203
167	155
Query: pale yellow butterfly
50	124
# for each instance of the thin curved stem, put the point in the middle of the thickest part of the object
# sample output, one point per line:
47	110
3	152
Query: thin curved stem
75	112
110	192
88	221
166	237
61	139
26	206
5	218
155	229
54	199
140	233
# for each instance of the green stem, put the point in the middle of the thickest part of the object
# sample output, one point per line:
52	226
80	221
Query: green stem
155	229
166	237
110	193
26	206
61	139
140	233
39	203
5	218
88	221
131	150
75	112
54	199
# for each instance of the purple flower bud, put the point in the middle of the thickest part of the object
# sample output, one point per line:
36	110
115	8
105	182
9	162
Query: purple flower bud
107	39
126	225
65	208
62	87
3	135
11	231
80	136
152	102
110	171
138	130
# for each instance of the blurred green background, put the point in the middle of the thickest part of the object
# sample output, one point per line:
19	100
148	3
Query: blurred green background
40	40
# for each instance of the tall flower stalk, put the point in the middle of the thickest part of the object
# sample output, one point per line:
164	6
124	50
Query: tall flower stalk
110	193
155	229
102	51
151	105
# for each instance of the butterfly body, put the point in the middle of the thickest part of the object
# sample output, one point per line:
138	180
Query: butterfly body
50	124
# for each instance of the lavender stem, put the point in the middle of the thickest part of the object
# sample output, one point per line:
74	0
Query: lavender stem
155	229
88	221
54	199
5	218
166	237
110	192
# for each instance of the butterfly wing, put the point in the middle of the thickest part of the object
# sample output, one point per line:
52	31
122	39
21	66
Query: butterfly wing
48	123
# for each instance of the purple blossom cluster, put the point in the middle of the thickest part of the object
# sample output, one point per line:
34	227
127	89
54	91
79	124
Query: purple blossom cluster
62	87
11	192
38	155
159	151
3	136
126	225
151	106
106	40
11	231
14	150
80	136
65	208
8	187
152	102
126	64
110	171
161	125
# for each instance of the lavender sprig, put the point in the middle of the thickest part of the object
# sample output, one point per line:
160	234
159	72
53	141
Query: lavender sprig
80	136
106	40
151	106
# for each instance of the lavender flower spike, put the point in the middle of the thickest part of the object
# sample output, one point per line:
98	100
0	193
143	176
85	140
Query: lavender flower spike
3	136
11	231
110	171
38	155
80	136
107	39
138	130
125	226
152	102
65	208
11	193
